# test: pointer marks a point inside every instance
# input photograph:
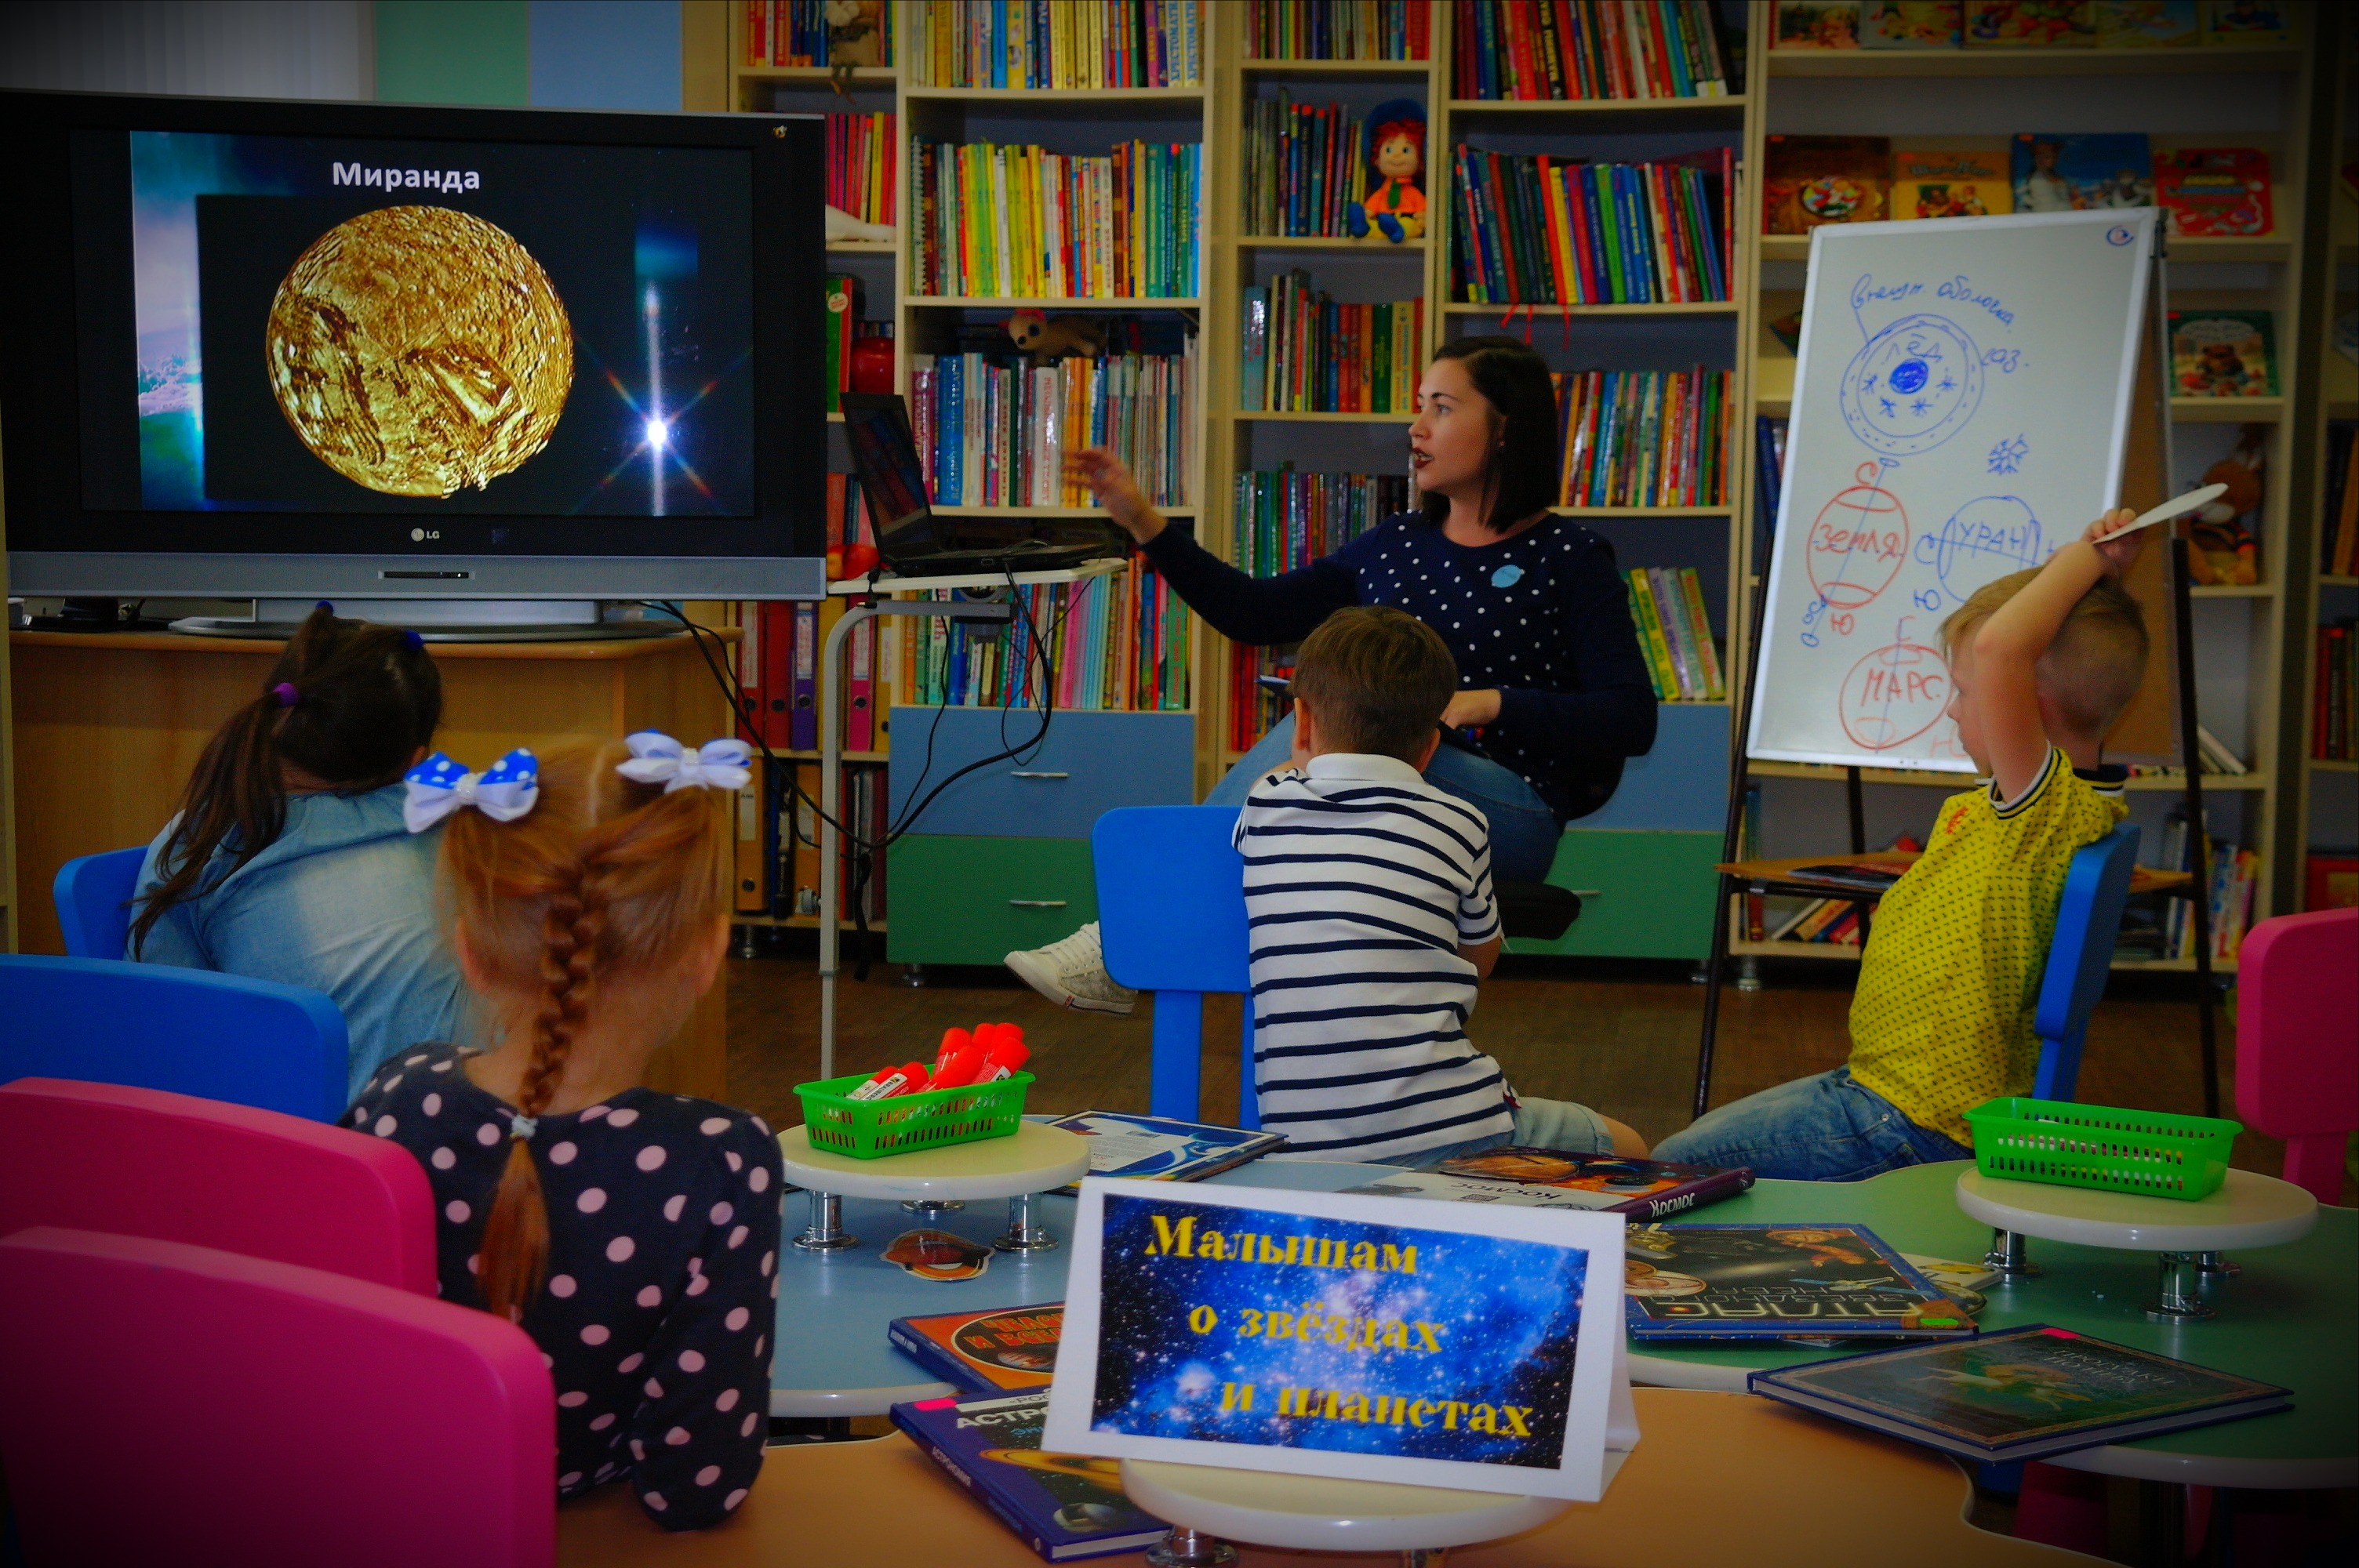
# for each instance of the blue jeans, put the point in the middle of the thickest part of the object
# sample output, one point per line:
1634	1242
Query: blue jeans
1523	831
1821	1128
1539	1124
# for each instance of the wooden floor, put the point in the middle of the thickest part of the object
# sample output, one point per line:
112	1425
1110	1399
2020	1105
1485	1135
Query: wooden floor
1620	1037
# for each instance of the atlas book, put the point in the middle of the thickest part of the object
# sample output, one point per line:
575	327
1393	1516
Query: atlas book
2081	172
2020	1394
1690	1282
1951	182
2222	353
1065	1507
984	1352
1524	1177
1160	1149
2213	191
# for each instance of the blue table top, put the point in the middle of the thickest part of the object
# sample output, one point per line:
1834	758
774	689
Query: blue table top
831	1357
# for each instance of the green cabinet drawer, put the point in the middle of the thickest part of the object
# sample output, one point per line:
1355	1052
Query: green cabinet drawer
1644	894
956	900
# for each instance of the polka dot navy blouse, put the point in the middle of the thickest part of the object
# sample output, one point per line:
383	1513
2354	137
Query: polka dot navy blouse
1544	617
663	1269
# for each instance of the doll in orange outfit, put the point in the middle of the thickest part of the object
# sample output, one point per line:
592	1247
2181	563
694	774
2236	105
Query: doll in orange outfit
1396	206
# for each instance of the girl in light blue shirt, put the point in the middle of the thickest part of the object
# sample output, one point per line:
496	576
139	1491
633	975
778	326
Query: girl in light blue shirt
288	860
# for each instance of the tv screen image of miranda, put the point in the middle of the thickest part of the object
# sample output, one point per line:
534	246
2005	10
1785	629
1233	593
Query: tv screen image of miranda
355	324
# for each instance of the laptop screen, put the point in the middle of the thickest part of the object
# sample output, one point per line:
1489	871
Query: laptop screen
885	454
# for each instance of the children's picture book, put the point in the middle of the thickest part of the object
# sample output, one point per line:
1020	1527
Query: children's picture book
1825	180
1910	23
1962	1282
1817	24
2213	191
2147	24
1951	182
1778	1282
984	1352
2030	23
1551	1178
2020	1394
1159	1149
2252	24
1065	1507
2222	353
2073	173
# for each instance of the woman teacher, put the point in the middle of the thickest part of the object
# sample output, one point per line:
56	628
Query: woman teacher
1531	604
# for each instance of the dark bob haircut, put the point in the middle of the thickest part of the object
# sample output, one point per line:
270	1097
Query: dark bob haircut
1521	476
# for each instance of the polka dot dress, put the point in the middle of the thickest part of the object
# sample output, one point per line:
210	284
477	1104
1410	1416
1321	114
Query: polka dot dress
664	1217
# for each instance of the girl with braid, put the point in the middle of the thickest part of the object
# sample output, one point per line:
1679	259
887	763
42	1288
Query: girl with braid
633	1234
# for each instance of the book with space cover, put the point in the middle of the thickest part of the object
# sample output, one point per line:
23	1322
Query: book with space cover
1522	1177
1778	1282
2020	1394
984	1352
1160	1149
1064	1505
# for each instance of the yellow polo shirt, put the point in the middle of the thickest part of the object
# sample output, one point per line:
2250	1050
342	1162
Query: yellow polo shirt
1941	1021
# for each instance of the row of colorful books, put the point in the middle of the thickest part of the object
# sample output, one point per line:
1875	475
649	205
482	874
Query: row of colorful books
2333	721
1675	633
1644	437
1304	167
1305	353
1538	49
840	326
995	431
2031	23
795	32
1022	222
862	165
1063	47
2338	536
2203	191
1287	519
1339	29
1544	231
1114	643
2232	874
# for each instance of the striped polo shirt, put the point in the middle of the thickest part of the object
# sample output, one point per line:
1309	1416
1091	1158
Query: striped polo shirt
1362	880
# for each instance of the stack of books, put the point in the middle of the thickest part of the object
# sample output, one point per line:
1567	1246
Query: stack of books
992	43
1644	437
2333	731
1545	231
1530	49
1683	660
860	165
1829	920
794	32
1303	166
1113	643
995	430
2338	533
1304	353
1025	223
1339	29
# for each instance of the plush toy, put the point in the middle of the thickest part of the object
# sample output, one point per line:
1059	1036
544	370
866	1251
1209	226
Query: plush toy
1395	205
855	38
842	225
2225	551
1066	337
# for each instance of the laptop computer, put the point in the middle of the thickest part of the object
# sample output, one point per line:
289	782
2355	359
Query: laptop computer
914	542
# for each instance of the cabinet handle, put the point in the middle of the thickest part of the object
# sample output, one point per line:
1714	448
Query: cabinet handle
1036	903
1026	773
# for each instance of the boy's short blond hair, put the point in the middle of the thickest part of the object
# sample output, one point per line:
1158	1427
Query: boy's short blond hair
2096	663
1378	678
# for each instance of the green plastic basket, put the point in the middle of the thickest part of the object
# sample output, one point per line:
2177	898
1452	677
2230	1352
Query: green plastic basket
2148	1152
936	1118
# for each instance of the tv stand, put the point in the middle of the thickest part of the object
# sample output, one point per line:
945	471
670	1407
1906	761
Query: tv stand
93	617
441	619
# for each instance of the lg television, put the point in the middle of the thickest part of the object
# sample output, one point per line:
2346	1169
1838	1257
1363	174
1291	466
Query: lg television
302	349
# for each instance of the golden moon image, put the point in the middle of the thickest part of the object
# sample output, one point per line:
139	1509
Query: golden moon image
416	349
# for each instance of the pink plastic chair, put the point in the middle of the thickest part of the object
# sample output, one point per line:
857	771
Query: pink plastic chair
2297	1041
168	1403
141	1162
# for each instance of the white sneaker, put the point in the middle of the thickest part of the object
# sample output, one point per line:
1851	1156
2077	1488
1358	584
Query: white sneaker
1072	973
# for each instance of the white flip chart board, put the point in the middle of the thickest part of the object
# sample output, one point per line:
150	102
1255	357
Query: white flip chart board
1961	402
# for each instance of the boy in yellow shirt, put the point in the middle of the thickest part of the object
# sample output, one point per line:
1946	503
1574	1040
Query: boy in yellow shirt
2041	664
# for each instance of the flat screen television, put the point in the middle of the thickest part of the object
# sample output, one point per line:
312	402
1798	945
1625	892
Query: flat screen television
296	349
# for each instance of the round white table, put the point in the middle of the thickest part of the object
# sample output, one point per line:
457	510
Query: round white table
1035	1159
1311	1513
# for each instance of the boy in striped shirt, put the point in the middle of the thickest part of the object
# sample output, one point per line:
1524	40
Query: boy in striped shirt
1370	914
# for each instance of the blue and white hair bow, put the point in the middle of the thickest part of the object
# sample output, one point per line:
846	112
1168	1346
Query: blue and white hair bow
656	758
438	786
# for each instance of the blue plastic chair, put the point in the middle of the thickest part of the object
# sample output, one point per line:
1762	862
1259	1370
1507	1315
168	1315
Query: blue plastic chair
92	893
156	1026
1172	913
2088	918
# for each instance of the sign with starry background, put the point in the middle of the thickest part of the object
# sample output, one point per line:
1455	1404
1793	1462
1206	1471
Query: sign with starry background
1330	1333
1961	405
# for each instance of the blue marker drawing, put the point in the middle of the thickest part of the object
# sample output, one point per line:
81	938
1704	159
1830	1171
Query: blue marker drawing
1912	386
2008	455
1986	537
1929	600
